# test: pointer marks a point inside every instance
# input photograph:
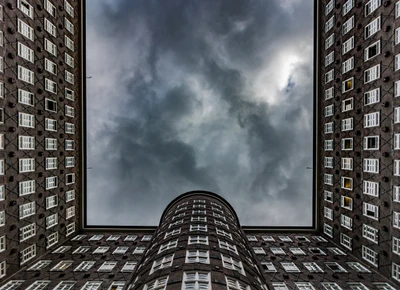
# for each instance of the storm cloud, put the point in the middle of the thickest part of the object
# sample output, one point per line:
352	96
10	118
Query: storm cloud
208	95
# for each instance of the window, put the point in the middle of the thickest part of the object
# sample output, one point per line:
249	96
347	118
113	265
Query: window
69	145
107	266
346	221
69	9
396	220
347	183
70	229
372	50
40	265
335	267
372	74
27	209
328	213
397	62
198	240
297	251
371	143
395	271
290	267
26	75
70	212
159	284
328	179
329	24
347	65
232	264
130	238
397	88
328	196
347	144
372	97
197	256
25	97
162	263
2	192
329	58
329	93
78	238
348	45
371	6
69	43
70	178
329	41
268	267
120	250
25	7
369	255
49	7
345	241
50	27
373	27
328	161
277	251
26	165
50	47
69	26
331	286
13	284
85	266
304	286
51	220
28	254
69	162
347	163
370	210
370	233
27	232
26	120
347	124
227	246
69	111
91	285
51	240
167	246
139	250
348	25
25	52
329	110
371	120
202	228
50	105
69	128
329	76
51	182
329	128
101	250
117	285
347	202
50	125
328	145
396	245
69	60
25	29
81	249
329	7
51	163
383	286
69	77
371	165
51	201
51	87
279	286
173	232
328	230
358	267
347	85
26	143
50	66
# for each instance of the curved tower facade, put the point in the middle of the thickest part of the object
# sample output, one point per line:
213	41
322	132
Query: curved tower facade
199	244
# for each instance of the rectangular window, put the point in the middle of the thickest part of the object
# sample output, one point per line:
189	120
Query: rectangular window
162	263
70	178
358	267
25	29
329	93
27	187
397	36
328	179
69	128
50	47
25	7
51	201
371	143
69	195
329	58
2	192
328	162
369	256
50	125
329	76
347	163
371	6
371	188
329	7
396	245
372	74
329	111
28	254
69	26
396	167
69	77
370	210
51	143
70	212
25	52
50	86
329	41
26	120
69	145
197	256
348	65
396	115
51	163
50	66
49	7
347	85
70	229
335	267
51	182
232	264
85	266
373	27
347	183
346	241
372	97
346	222
27	209
328	196
107	266
346	202
26	143
372	50
25	97
348	25
347	105
50	27
347	124
27	232
26	75
69	162
396	220
69	43
51	221
348	45
290	267
329	128
329	24
371	165
26	165
328	213
396	193
397	89
69	9
347	6
69	60
370	233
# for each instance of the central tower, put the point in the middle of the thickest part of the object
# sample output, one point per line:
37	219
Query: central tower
199	244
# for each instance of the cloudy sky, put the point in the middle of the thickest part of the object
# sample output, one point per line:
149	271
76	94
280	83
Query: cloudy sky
211	95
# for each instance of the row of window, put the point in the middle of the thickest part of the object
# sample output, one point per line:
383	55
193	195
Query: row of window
63	285
251	238
29	209
145	238
369	143
313	267
107	266
99	250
